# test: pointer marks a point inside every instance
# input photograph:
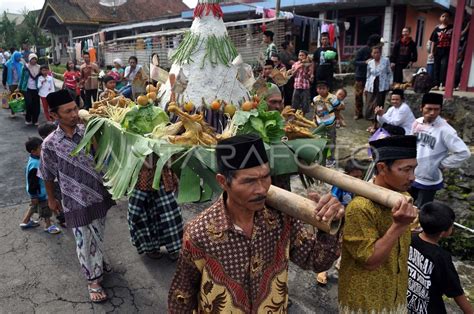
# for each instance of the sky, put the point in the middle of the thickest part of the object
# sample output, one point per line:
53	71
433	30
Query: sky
16	6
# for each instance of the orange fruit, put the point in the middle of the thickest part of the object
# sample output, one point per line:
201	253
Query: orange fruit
247	106
150	88
215	105
188	106
230	110
142	100
151	95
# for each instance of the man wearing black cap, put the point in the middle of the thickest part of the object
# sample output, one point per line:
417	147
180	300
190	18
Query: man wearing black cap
373	277
235	254
85	201
439	147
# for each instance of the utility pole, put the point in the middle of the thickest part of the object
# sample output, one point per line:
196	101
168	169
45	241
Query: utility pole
277	8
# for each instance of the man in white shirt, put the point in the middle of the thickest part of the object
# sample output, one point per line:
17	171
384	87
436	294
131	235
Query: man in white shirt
438	147
399	114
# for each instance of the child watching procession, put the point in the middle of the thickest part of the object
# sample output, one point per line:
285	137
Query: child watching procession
354	169
431	270
325	105
45	87
36	189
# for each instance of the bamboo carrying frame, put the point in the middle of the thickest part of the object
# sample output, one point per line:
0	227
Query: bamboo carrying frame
303	208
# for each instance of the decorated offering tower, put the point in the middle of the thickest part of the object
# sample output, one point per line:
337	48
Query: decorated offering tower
203	62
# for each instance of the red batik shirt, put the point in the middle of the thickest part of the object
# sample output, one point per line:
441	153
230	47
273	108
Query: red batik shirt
221	270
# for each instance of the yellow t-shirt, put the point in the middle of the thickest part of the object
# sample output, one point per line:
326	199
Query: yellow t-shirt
378	291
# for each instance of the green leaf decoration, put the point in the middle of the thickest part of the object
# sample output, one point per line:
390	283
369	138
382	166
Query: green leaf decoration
121	154
309	150
189	187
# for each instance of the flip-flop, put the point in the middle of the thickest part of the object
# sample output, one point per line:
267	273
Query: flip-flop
98	290
52	230
30	224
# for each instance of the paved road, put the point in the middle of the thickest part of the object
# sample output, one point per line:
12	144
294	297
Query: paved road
39	272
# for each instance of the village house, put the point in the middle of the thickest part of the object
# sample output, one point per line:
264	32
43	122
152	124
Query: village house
66	19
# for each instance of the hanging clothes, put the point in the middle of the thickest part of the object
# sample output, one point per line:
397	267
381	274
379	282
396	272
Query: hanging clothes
93	54
78	50
325	28
332	33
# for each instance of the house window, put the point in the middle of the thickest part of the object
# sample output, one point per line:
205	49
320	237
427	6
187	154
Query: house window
420	29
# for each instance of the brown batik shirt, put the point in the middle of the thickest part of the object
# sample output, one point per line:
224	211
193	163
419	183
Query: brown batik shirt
220	269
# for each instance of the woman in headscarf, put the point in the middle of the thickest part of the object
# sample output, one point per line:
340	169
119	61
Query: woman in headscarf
29	88
117	73
14	69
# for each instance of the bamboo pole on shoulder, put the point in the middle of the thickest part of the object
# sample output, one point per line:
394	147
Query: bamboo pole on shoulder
378	194
303	208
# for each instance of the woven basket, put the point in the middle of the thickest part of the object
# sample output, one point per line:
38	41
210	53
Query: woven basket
4	97
16	102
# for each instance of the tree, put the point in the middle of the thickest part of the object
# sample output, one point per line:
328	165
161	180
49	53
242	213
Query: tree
8	32
29	31
12	35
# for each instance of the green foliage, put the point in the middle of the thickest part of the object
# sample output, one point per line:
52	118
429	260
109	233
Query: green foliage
28	31
461	243
8	32
268	124
59	69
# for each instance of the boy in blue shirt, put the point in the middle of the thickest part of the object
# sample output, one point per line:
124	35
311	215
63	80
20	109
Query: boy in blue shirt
354	169
36	189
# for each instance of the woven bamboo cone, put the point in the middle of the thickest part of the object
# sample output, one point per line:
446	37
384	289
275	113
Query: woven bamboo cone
299	207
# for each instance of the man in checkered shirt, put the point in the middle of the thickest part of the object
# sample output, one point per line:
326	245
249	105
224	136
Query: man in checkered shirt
302	71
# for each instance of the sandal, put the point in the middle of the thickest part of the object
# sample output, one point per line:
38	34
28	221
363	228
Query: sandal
30	224
52	230
94	291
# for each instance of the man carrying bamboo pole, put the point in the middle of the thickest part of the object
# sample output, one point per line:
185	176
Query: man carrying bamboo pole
373	277
235	254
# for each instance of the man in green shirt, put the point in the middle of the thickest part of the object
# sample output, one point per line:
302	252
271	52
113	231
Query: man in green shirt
373	277
271	47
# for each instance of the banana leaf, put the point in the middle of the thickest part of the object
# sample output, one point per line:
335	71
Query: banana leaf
189	187
121	154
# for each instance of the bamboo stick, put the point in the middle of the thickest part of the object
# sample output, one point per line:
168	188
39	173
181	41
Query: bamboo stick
378	194
299	207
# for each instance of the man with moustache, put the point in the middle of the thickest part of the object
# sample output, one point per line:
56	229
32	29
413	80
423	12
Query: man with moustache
236	253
